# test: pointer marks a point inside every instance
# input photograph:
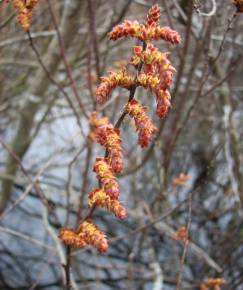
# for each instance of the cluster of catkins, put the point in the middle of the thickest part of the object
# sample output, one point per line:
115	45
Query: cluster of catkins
24	10
155	74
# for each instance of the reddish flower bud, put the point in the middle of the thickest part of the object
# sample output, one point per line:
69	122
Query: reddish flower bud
109	137
110	82
167	34
153	16
105	174
138	50
115	160
101	199
144	125
93	236
71	238
163	103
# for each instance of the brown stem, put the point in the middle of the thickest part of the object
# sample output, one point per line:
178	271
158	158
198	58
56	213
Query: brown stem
67	268
91	10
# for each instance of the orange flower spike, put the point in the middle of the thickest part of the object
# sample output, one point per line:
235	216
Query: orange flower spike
110	82
167	34
115	160
105	174
100	198
24	11
22	14
23	20
239	5
93	236
145	32
163	103
144	125
70	238
109	137
126	29
153	16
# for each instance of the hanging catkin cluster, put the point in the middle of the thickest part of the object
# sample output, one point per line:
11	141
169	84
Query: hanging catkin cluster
24	10
154	72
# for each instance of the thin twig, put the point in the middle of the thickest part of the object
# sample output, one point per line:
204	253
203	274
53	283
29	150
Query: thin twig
54	81
186	243
67	66
36	185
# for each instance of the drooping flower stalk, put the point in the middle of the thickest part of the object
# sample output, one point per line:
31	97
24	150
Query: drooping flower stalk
105	175
154	72
106	135
88	234
153	16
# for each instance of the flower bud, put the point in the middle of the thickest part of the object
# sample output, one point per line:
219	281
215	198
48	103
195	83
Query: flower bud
110	82
71	238
93	236
105	174
144	125
101	199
